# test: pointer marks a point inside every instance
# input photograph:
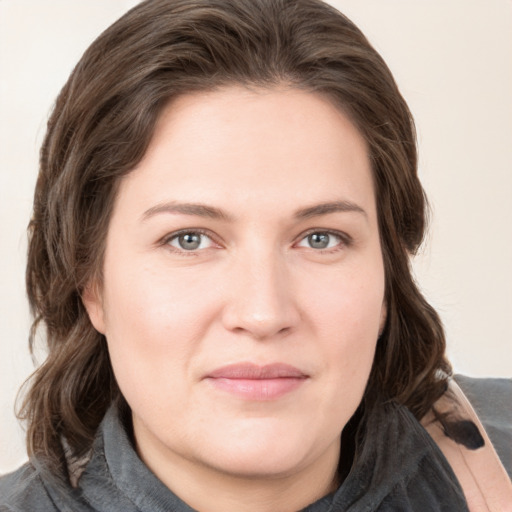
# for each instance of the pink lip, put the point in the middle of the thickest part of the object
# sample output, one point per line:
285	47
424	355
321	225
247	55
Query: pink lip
253	382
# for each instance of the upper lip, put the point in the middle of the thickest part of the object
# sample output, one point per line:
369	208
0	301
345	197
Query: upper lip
251	371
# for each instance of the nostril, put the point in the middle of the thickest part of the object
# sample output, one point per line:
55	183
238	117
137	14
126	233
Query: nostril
258	326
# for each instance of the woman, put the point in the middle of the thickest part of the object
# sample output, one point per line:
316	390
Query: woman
223	220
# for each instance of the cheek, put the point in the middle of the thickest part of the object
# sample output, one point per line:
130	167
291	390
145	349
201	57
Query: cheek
154	325
152	304
348	304
347	315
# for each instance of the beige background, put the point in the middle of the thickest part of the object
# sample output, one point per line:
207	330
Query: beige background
453	62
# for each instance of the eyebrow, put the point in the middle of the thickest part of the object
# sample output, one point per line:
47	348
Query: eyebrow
196	209
202	210
326	208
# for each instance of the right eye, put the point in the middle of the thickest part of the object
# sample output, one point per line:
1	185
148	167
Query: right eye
189	241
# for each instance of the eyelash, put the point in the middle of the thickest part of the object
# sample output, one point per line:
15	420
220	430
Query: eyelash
345	240
183	252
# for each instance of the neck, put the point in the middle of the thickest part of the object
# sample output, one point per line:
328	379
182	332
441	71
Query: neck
210	490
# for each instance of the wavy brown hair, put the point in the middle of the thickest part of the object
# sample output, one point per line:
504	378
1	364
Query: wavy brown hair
100	127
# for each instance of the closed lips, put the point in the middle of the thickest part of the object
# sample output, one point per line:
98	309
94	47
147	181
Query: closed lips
252	382
250	371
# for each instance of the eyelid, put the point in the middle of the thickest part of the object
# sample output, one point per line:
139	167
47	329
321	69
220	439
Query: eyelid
346	240
165	241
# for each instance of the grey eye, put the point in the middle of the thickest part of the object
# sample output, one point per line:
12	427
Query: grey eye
190	241
319	240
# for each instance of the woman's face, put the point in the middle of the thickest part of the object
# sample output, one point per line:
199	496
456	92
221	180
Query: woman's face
243	287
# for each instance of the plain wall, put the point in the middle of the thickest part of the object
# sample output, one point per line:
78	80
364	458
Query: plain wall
452	60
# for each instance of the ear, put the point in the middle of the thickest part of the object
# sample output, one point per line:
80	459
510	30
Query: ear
93	301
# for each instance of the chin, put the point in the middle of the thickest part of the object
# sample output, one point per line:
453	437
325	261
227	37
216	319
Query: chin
259	450
263	464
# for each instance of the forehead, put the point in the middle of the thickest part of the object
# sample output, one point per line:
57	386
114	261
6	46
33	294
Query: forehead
236	145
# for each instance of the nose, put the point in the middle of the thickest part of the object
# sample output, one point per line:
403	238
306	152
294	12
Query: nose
262	301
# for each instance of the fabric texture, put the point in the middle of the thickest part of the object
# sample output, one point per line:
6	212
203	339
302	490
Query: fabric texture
400	468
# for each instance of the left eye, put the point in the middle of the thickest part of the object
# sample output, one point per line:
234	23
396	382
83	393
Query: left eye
190	241
320	240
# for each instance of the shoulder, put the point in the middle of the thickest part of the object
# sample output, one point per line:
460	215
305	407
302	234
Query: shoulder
491	399
458	431
23	491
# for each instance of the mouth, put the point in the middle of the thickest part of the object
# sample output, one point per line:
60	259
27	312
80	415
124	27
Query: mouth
259	383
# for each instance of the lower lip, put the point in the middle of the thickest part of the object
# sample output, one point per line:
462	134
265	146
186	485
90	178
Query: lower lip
258	389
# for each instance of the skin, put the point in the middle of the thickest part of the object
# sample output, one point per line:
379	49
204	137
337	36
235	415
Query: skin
257	289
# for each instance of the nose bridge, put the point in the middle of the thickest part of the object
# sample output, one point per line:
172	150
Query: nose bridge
262	301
